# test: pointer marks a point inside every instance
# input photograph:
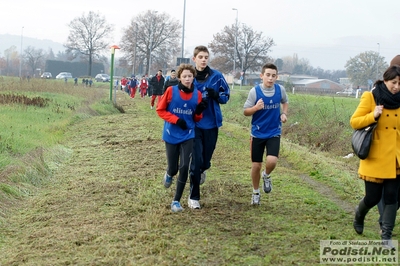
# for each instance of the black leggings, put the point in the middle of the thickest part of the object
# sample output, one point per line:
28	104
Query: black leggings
373	192
178	157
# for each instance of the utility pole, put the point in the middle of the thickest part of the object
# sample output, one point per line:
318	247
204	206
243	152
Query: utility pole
235	49
134	55
20	56
183	29
377	61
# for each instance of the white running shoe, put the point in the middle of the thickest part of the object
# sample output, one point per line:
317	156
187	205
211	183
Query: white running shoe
193	204
255	199
267	186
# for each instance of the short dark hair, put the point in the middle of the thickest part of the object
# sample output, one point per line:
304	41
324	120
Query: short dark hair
270	66
200	48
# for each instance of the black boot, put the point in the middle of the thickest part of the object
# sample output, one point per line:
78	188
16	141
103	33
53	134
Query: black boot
361	211
388	221
380	206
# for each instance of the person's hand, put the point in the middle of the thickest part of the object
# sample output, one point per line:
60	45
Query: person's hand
283	117
260	104
201	107
212	93
182	123
378	111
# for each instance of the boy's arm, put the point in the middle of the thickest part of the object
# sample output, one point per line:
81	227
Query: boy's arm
285	108
249	107
224	92
251	110
284	112
198	117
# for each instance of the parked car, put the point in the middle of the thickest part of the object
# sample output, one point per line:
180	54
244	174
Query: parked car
64	75
346	92
102	78
46	75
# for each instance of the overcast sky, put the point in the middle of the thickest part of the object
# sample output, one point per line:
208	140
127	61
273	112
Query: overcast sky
326	32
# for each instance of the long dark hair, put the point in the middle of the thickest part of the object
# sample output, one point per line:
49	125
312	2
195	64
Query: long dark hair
382	94
391	73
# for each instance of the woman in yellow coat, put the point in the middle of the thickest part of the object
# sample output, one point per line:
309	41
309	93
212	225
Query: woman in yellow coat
381	170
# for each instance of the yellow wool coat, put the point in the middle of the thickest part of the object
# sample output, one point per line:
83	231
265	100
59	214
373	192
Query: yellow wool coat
385	148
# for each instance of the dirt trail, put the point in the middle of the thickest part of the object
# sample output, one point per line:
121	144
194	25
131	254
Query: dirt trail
322	189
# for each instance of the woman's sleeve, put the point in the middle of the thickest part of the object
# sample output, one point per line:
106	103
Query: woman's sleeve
364	114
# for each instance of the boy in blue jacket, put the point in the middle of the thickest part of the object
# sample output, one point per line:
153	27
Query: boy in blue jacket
215	91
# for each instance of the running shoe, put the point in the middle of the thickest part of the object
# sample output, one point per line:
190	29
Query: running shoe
176	206
203	178
167	181
267	186
193	204
255	199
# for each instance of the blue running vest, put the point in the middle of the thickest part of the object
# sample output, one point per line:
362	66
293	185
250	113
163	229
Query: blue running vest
266	123
184	109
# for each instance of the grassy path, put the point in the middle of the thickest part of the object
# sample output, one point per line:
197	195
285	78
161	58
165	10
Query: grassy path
106	205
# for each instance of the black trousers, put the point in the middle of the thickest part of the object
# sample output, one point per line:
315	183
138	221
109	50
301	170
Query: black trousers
205	142
373	192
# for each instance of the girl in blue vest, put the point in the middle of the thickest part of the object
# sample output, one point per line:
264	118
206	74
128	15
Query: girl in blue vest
181	107
268	104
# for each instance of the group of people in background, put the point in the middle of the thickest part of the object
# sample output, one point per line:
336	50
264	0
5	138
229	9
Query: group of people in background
129	85
86	82
153	87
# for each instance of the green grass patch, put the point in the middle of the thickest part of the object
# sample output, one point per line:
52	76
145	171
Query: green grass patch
35	116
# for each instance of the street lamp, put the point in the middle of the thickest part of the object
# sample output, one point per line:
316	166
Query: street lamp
134	56
377	61
234	52
113	48
151	41
183	28
20	60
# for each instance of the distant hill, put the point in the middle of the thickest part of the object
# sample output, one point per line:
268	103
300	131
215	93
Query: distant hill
8	40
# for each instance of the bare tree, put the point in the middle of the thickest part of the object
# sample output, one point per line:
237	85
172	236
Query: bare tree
152	34
88	36
12	60
251	49
3	65
34	58
365	68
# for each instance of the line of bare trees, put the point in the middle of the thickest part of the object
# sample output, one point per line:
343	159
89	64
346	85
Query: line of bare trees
151	42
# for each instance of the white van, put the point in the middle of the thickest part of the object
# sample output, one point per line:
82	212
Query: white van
64	75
